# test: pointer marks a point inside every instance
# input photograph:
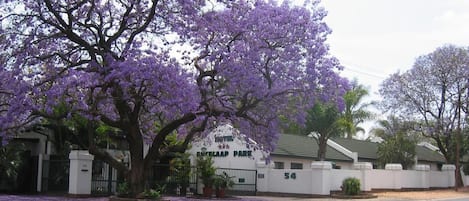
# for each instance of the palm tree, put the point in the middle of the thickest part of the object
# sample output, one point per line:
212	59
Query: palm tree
355	112
322	120
398	144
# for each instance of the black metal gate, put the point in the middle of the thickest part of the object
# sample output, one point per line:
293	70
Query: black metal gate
104	178
245	180
55	175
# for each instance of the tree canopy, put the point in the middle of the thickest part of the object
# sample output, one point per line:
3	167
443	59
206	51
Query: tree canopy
434	93
322	121
154	67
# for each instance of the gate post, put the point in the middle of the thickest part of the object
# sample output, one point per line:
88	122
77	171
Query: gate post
262	176
321	177
365	169
424	173
81	163
40	171
396	171
450	170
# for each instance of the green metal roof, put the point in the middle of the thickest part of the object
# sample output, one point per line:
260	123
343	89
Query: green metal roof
365	149
305	147
368	150
426	154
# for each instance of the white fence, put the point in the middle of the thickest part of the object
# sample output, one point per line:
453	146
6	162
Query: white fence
321	179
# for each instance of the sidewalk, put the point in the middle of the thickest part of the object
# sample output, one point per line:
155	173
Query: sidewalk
430	195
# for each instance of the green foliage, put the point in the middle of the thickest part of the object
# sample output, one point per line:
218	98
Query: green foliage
223	181
289	126
206	170
322	119
11	160
181	166
172	140
351	186
11	163
355	112
397	149
399	141
123	189
450	145
153	193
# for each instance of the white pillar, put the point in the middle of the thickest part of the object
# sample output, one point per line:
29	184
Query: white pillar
449	169
80	172
365	169
396	171
263	171
424	171
321	177
40	165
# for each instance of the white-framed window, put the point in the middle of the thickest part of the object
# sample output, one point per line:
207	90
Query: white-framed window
296	165
279	165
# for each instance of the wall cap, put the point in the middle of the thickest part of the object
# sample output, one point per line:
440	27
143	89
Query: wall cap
448	167
422	167
393	166
262	164
362	166
80	155
321	165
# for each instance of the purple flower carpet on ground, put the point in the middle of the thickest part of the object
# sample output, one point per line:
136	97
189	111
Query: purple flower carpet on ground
201	199
63	198
47	198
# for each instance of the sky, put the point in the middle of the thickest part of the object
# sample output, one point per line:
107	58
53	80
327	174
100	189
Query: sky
375	38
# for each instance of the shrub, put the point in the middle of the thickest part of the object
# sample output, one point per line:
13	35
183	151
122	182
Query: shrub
351	186
152	194
123	189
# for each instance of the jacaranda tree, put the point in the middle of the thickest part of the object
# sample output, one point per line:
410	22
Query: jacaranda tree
150	68
434	94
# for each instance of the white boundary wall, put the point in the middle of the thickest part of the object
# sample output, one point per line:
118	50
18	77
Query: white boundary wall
321	179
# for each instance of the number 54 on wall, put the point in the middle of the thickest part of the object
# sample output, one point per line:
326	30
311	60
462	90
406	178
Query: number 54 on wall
289	175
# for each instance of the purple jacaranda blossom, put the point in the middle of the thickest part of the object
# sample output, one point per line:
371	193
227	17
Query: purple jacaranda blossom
152	68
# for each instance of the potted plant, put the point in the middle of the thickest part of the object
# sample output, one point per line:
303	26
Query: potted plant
221	183
206	173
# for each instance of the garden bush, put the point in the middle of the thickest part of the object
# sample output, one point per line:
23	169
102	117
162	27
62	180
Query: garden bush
351	186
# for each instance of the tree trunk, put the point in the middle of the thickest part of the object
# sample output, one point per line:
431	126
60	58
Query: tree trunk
322	149
458	182
136	178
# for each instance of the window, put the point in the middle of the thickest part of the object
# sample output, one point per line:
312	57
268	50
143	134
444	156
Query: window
279	165
296	166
